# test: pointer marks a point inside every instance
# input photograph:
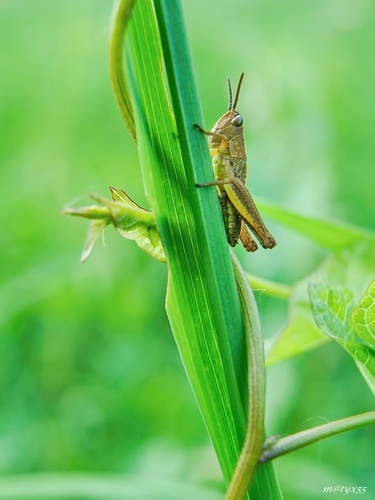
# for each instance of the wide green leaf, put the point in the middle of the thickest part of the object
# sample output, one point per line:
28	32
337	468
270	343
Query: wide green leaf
363	316
332	309
202	302
334	235
351	268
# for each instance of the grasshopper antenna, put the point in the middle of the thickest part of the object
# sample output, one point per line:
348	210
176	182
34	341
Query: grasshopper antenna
230	94
237	92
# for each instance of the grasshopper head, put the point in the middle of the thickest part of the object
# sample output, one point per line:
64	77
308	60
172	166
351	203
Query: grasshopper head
231	123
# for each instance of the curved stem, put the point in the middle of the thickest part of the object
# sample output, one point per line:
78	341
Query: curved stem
121	16
251	449
303	438
270	288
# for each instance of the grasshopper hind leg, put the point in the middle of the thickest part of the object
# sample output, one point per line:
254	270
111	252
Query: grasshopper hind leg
247	241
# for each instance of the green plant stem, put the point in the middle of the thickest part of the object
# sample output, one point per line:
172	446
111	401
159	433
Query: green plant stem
251	449
121	16
300	439
202	300
215	263
97	486
271	288
202	303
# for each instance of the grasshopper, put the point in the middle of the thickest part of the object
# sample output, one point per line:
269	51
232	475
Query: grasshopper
226	144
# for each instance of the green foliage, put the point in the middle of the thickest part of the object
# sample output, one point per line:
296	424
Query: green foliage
90	379
131	221
98	487
195	309
363	316
350	265
332	311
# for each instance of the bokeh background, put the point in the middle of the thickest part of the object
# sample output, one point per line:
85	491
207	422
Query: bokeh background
90	377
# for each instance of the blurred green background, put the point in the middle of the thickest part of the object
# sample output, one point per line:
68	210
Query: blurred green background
90	377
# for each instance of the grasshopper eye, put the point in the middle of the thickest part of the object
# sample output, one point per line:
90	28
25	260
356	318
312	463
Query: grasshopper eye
237	121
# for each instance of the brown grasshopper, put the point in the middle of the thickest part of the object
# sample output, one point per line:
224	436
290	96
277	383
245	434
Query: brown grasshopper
227	149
